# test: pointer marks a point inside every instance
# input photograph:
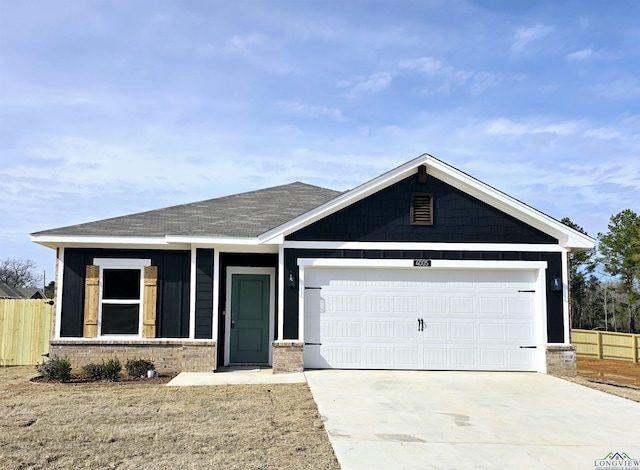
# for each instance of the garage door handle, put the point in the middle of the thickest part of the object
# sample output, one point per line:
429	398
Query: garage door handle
528	347
420	324
313	344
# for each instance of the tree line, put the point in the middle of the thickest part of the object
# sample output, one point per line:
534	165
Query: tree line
605	281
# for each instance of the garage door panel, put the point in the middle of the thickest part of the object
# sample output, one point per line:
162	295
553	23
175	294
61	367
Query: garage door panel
491	331
378	329
379	356
461	305
437	305
462	357
406	357
462	330
370	319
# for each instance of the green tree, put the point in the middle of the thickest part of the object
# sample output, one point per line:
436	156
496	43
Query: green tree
620	256
50	289
581	264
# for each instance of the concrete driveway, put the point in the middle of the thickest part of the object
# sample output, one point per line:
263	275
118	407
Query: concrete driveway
448	420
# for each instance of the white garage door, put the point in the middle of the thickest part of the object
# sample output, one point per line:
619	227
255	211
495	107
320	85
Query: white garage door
420	319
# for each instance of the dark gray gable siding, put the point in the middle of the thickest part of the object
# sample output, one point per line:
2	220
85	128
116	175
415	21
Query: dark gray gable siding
555	323
458	218
173	288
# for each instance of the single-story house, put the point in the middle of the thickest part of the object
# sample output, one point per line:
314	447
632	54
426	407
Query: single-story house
423	267
9	292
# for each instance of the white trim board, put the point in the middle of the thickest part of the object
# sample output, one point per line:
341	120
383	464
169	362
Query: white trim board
426	246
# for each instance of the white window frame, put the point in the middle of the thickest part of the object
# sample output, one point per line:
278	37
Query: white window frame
121	263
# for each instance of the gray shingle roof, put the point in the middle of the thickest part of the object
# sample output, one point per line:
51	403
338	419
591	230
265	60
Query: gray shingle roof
8	292
240	215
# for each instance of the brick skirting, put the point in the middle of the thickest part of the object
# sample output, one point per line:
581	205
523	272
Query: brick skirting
561	360
196	356
288	356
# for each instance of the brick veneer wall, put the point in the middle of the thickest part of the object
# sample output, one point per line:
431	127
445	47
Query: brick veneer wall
166	355
287	357
561	360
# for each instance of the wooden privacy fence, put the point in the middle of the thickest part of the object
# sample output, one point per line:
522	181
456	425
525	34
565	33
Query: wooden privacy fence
25	330
606	345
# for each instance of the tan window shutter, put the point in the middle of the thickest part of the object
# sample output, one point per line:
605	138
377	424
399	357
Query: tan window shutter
150	299
91	301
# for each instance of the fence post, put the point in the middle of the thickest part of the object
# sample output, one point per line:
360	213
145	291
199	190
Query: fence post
599	343
634	343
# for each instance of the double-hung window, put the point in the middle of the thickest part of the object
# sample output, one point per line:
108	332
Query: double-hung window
121	296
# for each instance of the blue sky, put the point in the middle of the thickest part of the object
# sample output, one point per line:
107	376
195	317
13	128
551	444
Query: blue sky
114	107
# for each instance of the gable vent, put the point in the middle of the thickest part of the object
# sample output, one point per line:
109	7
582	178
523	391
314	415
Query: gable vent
421	209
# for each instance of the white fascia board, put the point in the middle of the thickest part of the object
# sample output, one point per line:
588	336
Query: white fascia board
424	246
53	241
210	240
408	263
567	237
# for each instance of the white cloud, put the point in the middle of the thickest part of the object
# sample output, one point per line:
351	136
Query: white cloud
524	36
508	127
364	85
444	79
312	111
243	43
583	54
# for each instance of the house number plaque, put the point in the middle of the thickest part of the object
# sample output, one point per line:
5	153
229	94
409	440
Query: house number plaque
422	263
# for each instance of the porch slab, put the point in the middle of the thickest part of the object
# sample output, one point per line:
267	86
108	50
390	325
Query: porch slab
235	377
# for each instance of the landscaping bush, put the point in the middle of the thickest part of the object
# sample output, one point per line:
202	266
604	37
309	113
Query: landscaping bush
139	367
111	369
55	368
94	371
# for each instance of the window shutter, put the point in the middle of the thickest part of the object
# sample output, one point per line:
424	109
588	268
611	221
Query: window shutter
421	209
91	301
150	300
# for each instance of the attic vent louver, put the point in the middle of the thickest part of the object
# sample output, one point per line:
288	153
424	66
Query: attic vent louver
421	209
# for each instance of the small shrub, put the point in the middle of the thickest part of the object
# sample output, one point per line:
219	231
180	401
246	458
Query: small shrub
112	369
94	371
56	368
139	367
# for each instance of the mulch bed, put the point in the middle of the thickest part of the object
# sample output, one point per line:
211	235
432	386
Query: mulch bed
162	379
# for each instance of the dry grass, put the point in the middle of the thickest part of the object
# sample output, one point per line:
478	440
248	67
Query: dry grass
153	426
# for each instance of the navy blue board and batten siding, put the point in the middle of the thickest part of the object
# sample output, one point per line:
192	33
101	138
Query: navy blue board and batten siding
204	293
172	309
458	218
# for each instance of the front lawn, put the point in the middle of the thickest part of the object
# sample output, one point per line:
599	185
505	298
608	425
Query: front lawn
141	425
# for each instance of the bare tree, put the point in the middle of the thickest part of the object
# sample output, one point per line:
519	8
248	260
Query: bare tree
18	272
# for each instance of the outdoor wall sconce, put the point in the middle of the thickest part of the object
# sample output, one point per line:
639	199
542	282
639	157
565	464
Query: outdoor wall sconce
291	279
556	284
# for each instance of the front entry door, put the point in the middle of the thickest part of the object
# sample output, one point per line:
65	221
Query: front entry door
250	312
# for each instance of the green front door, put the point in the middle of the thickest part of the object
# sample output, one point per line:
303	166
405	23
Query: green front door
249	338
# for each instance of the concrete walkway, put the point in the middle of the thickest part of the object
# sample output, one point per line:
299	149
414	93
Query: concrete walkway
438	420
237	376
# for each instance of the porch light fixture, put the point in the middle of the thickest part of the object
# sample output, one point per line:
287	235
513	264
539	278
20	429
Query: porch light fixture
556	284
291	279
